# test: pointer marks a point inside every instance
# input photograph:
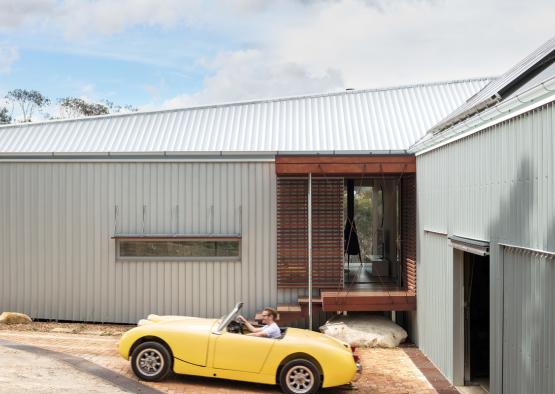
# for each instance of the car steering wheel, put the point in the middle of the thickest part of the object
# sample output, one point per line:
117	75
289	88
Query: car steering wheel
235	327
241	325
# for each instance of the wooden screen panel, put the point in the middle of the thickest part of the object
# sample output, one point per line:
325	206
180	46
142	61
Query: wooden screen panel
408	231
292	236
327	234
292	232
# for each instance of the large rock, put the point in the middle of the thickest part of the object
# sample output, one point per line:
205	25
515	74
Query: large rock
365	331
14	318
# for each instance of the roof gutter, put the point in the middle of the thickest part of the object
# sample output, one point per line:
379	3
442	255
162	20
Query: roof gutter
534	97
164	156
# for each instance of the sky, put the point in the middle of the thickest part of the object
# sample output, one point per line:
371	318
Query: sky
157	54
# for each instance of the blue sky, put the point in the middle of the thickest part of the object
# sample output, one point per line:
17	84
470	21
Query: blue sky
130	76
168	53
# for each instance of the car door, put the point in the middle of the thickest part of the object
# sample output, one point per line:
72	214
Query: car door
238	352
187	340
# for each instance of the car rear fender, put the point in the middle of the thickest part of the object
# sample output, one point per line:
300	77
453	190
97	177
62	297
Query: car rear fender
299	355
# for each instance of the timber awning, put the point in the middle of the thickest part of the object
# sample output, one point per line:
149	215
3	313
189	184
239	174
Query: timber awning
345	165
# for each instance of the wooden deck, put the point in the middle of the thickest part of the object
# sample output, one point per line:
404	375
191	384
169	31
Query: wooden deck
366	292
368	300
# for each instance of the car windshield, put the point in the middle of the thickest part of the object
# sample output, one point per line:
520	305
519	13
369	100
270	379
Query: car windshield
232	315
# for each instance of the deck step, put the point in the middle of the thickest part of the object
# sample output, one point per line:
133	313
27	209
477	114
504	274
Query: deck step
315	300
288	308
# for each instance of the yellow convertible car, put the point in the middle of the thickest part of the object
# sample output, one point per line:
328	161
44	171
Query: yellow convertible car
300	361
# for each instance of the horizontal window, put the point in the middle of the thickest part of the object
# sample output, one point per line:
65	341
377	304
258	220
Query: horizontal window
178	249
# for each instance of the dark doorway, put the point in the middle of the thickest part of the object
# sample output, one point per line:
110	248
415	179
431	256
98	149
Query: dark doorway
476	320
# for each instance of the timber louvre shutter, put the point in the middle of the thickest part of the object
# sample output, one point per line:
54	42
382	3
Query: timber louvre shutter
292	232
408	231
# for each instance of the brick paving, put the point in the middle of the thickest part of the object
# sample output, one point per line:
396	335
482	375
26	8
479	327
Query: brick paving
385	370
431	373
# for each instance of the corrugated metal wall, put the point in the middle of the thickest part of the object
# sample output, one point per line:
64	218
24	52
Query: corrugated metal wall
529	330
496	185
435	290
57	258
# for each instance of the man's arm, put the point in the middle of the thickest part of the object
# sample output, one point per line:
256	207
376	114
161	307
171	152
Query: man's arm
251	328
259	333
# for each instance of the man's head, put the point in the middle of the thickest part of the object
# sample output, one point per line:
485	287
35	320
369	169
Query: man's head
269	315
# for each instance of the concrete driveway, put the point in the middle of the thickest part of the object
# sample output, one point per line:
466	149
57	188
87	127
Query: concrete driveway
385	370
22	371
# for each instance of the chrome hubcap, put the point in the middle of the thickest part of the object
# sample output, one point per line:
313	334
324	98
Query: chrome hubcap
300	379
150	362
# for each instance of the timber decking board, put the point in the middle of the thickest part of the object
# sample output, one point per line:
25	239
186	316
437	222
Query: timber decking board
394	300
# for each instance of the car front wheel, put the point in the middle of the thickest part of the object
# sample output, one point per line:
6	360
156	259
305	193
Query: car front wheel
299	376
151	361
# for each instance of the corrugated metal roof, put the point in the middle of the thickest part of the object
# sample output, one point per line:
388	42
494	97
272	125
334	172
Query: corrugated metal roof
494	91
351	121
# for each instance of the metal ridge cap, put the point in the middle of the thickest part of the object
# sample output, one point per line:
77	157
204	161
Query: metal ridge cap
499	92
452	121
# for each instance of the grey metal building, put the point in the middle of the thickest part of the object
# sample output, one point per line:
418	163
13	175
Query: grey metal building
82	200
486	234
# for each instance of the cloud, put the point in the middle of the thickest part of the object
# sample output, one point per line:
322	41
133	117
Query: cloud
19	13
248	49
415	41
79	18
8	55
250	74
334	44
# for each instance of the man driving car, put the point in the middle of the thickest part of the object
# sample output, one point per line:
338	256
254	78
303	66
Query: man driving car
270	328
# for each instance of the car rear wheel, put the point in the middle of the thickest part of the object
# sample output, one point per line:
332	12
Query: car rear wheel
151	361
299	376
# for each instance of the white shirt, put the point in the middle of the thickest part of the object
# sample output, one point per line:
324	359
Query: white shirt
272	330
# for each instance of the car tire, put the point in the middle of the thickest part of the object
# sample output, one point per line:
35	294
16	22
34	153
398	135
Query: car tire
151	361
300	376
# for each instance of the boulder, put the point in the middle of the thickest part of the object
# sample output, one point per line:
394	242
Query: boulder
14	318
365	331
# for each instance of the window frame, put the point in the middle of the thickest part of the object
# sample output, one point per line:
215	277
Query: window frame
165	238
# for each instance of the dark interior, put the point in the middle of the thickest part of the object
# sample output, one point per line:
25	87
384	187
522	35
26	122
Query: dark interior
476	289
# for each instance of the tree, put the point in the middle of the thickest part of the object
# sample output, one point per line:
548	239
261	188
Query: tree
5	116
72	107
27	101
116	108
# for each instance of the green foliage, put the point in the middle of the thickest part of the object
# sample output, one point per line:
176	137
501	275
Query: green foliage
27	101
72	107
116	108
363	217
5	116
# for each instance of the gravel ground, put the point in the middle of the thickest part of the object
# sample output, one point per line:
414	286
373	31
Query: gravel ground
69	328
23	372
